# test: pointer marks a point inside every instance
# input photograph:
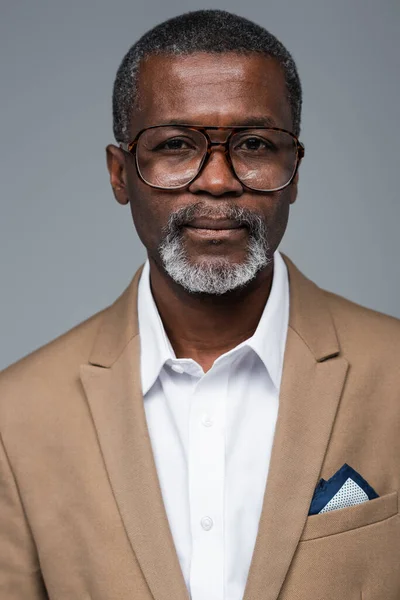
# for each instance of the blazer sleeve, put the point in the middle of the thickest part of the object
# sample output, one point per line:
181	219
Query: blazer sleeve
20	575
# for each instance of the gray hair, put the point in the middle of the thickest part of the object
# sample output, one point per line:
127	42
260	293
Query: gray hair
210	31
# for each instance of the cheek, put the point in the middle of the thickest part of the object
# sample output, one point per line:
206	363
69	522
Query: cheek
277	216
149	212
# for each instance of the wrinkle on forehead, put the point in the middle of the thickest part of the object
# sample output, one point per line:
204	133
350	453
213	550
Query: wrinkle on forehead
201	86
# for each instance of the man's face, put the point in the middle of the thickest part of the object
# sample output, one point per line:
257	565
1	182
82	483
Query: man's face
208	90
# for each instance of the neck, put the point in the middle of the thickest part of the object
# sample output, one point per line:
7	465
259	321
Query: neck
203	327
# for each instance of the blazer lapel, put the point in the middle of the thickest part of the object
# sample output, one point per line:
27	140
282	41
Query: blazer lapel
113	387
312	383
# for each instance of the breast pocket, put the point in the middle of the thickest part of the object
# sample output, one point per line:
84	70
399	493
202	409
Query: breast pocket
350	553
351	517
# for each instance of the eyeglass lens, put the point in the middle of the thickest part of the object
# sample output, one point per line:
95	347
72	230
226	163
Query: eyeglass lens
171	157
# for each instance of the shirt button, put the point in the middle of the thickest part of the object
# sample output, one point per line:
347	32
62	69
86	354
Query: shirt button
206	523
177	368
207	422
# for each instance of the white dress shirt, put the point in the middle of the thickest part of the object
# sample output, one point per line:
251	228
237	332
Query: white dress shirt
211	435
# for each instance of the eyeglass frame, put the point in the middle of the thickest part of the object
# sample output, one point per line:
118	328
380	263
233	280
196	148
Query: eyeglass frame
131	149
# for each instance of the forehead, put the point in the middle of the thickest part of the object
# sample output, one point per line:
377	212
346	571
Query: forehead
211	89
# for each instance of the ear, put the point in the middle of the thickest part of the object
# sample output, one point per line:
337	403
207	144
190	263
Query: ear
293	189
117	170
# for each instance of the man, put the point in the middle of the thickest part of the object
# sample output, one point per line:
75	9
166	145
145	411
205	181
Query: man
225	429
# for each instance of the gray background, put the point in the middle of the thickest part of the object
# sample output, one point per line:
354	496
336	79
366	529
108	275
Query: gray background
67	248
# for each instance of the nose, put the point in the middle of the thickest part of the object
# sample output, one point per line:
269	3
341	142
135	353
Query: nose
216	177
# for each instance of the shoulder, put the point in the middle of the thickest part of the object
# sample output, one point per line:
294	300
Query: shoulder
50	376
359	331
362	330
57	362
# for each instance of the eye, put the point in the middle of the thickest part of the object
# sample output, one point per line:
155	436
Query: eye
255	144
176	144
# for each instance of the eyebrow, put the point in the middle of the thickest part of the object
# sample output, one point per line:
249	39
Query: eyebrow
246	122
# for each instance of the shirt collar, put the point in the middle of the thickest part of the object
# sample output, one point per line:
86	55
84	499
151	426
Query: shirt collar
155	347
268	341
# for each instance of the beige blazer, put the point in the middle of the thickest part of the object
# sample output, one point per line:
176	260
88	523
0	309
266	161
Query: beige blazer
81	510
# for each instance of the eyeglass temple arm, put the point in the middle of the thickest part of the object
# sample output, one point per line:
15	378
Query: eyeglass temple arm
128	147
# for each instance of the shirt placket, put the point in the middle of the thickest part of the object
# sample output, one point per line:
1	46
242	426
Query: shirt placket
206	466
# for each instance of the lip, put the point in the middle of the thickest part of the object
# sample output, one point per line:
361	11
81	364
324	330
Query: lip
207	233
215	224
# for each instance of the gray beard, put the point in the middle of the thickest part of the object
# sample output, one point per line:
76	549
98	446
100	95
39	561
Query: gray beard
219	275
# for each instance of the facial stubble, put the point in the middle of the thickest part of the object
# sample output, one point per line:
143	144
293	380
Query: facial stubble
218	275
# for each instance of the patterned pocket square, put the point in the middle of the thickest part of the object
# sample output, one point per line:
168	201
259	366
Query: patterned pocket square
345	488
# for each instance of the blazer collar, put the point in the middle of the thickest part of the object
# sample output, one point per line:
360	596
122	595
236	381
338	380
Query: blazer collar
309	316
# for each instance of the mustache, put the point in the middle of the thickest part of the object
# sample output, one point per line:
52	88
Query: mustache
240	215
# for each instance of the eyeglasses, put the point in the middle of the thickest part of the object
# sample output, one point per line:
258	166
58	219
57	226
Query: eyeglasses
170	157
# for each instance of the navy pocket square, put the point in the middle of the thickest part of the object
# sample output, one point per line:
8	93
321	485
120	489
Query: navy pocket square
345	488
